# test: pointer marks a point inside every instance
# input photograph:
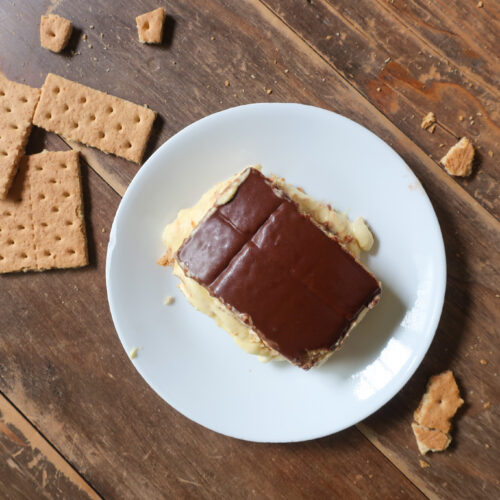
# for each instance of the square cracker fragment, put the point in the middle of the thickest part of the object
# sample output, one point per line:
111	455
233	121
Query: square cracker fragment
17	105
94	118
458	160
55	32
150	26
41	223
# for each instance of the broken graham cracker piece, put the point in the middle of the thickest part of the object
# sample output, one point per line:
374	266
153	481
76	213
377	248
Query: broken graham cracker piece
17	105
41	222
432	417
150	26
428	120
458	160
430	439
94	118
440	402
55	32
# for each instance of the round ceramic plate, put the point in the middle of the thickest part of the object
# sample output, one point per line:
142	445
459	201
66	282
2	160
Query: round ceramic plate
195	366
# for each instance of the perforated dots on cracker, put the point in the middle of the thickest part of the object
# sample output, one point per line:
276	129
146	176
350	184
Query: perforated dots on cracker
41	221
150	26
17	105
55	32
94	118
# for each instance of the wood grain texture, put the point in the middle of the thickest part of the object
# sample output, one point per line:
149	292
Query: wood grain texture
386	51
65	362
29	466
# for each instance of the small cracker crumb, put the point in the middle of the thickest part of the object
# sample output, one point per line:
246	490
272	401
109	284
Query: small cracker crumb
490	154
269	91
486	445
133	352
150	26
84	37
432	128
483	362
423	464
458	160
428	120
461	118
227	83
169	300
486	405
480	5
379	89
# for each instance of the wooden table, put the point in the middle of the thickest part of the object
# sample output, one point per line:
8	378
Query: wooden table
78	421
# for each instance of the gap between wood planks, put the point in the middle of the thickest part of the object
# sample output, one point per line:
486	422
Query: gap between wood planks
473	77
30	436
431	48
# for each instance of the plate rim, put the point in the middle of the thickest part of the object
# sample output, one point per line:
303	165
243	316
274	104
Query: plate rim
402	377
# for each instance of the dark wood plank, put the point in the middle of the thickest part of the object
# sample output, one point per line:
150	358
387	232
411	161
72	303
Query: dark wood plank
85	360
63	364
461	31
408	61
29	466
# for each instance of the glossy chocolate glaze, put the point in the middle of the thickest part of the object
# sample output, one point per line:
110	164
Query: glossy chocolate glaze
297	287
253	203
289	317
210	248
316	260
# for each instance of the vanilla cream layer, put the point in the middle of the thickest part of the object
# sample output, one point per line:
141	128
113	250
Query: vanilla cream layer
354	235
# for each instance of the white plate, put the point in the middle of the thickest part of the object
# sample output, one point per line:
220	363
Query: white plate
195	366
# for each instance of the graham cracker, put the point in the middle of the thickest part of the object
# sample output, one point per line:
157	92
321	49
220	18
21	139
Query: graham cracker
150	26
17	247
94	118
41	222
55	32
17	105
440	402
430	439
433	415
458	160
